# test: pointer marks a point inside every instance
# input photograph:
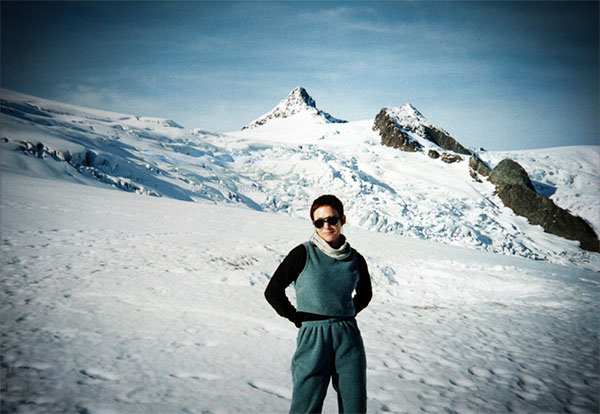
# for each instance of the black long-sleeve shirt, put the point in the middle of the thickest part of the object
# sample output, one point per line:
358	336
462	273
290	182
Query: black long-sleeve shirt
289	270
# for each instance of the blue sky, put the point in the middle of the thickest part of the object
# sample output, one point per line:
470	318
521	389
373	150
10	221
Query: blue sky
499	75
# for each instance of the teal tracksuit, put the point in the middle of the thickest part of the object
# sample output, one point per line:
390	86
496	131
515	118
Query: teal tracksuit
330	348
326	349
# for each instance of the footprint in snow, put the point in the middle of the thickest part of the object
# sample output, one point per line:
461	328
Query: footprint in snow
463	383
198	376
409	376
208	344
480	372
270	389
98	375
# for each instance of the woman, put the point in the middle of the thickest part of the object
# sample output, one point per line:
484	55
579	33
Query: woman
325	271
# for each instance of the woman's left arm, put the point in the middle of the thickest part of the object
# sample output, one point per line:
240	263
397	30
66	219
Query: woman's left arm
286	274
364	293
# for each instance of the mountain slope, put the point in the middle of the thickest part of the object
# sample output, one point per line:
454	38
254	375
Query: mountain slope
283	169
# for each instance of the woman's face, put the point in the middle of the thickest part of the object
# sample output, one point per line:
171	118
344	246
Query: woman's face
328	232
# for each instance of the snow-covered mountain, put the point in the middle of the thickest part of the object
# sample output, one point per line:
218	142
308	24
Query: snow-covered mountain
121	295
298	104
283	169
397	124
409	118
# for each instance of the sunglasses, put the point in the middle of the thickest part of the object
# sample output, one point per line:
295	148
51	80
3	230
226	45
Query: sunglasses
331	220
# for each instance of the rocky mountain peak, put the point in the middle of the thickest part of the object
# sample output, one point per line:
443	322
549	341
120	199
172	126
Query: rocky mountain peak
396	124
299	96
408	117
297	102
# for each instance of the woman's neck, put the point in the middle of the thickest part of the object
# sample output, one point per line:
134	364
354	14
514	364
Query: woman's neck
337	243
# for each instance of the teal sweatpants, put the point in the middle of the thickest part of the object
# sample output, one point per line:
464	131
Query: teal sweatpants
327	349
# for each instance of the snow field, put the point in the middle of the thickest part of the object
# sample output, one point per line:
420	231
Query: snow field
117	302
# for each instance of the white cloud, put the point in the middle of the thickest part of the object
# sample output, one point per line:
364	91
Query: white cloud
351	18
108	99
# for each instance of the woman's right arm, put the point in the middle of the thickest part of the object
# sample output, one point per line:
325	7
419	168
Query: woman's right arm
286	274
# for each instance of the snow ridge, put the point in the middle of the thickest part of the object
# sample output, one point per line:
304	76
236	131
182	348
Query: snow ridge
297	102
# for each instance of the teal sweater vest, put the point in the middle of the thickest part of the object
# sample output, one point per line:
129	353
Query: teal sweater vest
325	285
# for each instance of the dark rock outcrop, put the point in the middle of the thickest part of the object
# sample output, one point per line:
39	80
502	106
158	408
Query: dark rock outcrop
516	191
433	154
479	166
447	157
541	210
450	158
510	172
474	175
443	140
392	135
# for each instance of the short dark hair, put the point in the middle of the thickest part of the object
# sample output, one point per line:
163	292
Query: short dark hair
327	200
